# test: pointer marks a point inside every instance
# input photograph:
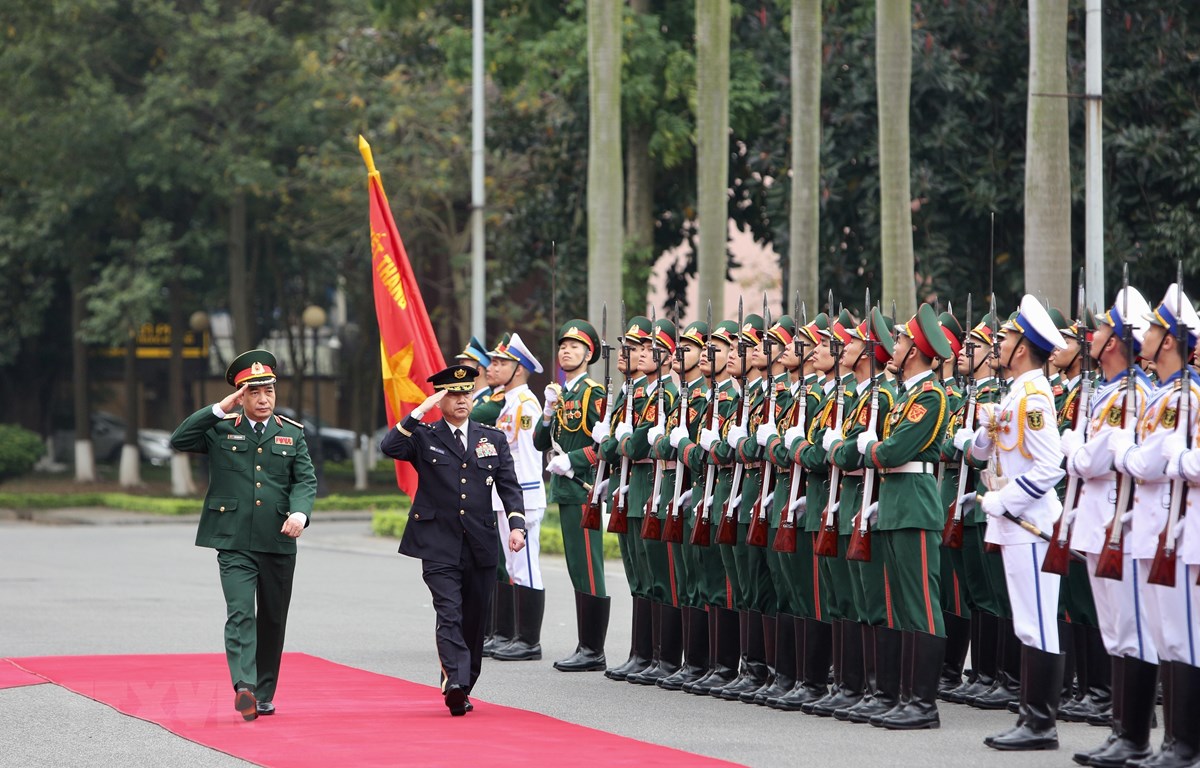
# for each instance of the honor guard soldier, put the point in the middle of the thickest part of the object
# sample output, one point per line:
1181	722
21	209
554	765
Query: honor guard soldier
626	410
565	429
517	419
1120	609
476	355
910	518
718	594
859	696
451	527
485	409
260	495
689	560
1020	440
1078	626
1159	509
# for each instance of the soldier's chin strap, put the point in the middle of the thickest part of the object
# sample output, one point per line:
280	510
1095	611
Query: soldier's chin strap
1008	365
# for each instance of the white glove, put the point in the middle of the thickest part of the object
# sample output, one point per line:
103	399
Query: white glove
962	437
864	438
624	430
551	395
1072	440
985	415
1120	443
764	433
1173	448
792	435
736	433
992	504
559	465
678	435
600	432
872	512
707	438
831	436
654	433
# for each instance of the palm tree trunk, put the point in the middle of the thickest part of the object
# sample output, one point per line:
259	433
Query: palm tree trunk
712	149
803	262
893	75
605	183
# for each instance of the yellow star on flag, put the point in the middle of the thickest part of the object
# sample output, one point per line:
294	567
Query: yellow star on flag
398	388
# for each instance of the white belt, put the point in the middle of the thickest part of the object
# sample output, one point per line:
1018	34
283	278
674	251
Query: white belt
911	468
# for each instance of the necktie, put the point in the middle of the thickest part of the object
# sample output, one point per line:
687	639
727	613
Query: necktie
259	428
462	443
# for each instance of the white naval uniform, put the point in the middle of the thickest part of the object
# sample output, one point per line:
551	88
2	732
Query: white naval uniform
517	419
1119	608
1170	611
1029	456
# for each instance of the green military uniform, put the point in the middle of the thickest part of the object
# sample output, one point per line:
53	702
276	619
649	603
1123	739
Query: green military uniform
569	432
259	474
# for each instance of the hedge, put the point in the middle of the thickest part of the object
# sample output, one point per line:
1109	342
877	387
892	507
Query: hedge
159	505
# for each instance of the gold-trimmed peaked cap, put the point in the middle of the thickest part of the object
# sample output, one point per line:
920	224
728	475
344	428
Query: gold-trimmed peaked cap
926	333
583	332
256	368
456	378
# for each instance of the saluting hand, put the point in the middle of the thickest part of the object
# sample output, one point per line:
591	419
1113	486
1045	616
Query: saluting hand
233	399
425	407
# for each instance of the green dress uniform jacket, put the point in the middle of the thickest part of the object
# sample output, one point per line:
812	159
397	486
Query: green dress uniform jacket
486	408
254	483
575	413
846	454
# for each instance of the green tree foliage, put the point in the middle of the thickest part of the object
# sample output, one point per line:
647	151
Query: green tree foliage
19	451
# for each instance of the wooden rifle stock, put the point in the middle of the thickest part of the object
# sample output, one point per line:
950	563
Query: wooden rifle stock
1162	570
702	530
1058	555
760	519
593	513
727	529
826	544
618	520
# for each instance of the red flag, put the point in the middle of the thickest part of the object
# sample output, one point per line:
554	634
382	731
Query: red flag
408	349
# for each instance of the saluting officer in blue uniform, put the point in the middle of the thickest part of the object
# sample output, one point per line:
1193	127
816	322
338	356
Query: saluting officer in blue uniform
451	527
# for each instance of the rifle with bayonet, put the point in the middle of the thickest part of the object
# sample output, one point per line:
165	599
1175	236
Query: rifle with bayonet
673	530
760	515
1111	562
952	534
702	530
1057	556
1162	570
727	529
785	537
618	519
826	544
859	547
593	510
651	522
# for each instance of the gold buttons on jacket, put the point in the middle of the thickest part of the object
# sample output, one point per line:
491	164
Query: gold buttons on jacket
258	485
260	449
258	502
258	467
222	509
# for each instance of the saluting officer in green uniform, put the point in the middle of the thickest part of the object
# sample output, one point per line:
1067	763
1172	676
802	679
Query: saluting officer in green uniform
866	689
655	556
566	429
687	560
910	519
631	399
260	494
717	590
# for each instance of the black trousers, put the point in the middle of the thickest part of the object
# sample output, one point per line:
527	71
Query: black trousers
462	598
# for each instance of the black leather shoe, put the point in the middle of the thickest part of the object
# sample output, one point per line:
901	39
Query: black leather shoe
456	700
243	701
469	706
265	708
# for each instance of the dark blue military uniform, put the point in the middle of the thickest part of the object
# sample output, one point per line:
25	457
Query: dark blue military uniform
452	529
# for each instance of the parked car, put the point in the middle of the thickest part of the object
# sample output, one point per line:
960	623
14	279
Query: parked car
337	444
108	435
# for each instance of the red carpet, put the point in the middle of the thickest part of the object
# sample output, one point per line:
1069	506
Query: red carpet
392	722
13	677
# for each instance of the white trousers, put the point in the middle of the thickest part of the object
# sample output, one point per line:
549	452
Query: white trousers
1033	595
1121	611
524	567
1173	613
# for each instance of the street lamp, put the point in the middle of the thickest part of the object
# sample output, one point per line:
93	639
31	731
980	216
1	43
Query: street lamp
314	318
199	324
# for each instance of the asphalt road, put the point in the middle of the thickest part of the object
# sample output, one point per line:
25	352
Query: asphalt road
117	587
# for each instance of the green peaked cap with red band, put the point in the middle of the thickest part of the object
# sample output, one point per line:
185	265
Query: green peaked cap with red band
583	332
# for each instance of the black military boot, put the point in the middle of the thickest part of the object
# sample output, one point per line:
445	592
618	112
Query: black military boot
591	622
742	669
724	649
1181	713
668	646
984	637
527	645
784	679
1114	716
814	645
756	671
1165	756
920	711
835	674
695	651
889	664
1093	666
1139	690
504	618
1007	687
656	638
1066	644
848	690
760	694
1041	690
958	639
870	682
641	642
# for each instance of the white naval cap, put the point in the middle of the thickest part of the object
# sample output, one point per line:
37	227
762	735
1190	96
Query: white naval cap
1135	315
1035	324
517	350
1175	308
